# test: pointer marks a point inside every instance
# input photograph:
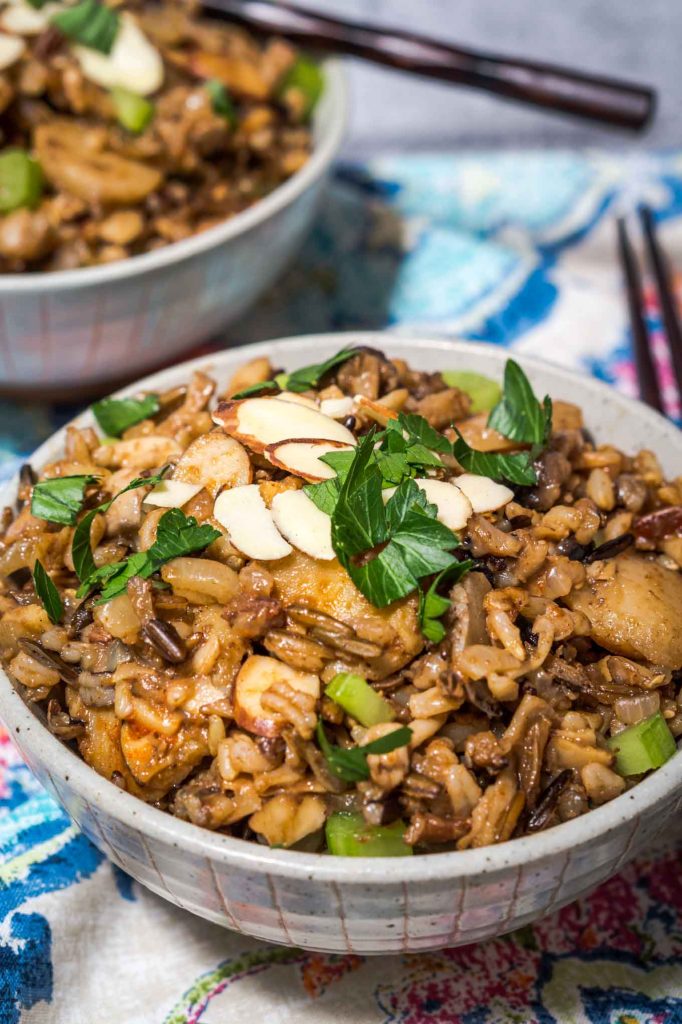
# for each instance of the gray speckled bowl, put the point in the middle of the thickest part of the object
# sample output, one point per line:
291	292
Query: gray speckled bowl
366	906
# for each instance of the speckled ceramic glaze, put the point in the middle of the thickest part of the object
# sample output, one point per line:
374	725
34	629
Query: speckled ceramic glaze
78	327
374	905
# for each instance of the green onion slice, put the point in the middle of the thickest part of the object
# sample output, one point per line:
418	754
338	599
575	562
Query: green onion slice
21	180
89	23
221	101
133	112
306	78
359	700
348	835
644	746
483	392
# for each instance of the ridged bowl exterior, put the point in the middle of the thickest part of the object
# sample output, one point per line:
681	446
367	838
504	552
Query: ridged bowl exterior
367	905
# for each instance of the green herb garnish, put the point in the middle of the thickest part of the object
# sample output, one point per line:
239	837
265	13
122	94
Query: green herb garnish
517	468
351	764
298	380
47	593
306	78
432	606
483	392
221	101
349	835
132	111
519	415
21	180
59	500
115	415
89	23
646	745
176	535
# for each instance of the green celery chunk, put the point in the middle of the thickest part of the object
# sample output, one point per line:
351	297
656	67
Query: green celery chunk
21	180
305	77
132	111
644	746
348	835
359	700
483	392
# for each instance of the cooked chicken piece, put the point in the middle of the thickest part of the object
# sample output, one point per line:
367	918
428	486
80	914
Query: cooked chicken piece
633	605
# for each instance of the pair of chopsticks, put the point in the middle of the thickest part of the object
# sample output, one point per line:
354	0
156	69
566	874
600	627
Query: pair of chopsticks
647	377
562	90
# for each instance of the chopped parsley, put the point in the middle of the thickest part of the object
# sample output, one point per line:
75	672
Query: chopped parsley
350	764
432	606
89	23
298	380
59	500
115	415
47	593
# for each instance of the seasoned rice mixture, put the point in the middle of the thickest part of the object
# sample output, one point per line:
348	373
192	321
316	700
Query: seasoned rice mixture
357	608
127	126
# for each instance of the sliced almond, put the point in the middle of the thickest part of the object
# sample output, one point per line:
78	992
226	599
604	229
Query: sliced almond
259	422
485	495
291	396
132	64
302	458
257	675
303	524
249	523
454	508
337	408
24	20
11	49
214	461
171	494
381	414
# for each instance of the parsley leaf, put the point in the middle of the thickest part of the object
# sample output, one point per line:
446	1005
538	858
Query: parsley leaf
59	500
221	101
176	535
432	605
519	415
420	431
298	380
89	23
517	468
81	552
115	415
350	764
47	593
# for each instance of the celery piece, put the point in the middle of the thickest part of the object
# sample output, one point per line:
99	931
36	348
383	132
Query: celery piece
359	700
132	111
483	392
644	746
305	77
348	835
21	180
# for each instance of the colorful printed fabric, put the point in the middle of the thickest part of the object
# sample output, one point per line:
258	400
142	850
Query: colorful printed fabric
513	249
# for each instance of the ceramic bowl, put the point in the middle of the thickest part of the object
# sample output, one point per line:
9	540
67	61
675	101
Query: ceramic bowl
372	905
69	330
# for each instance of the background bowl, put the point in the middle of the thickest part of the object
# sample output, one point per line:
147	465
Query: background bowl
62	331
364	905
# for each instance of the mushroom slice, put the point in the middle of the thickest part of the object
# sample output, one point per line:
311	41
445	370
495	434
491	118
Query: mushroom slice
11	49
171	494
249	523
303	458
291	396
337	408
214	461
484	494
257	675
303	524
133	62
454	508
259	422
376	411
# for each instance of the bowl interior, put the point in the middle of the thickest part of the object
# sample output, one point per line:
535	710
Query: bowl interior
609	415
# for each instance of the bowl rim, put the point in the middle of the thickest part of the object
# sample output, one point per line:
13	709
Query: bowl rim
330	121
59	761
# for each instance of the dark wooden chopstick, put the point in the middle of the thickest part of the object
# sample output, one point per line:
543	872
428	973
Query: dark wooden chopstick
594	97
646	371
666	294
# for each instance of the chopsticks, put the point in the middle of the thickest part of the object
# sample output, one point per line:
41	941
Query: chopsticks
593	97
647	377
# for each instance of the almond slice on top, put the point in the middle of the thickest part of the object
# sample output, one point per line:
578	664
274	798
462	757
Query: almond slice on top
485	495
214	461
303	524
171	494
337	408
454	508
257	675
302	457
297	399
249	523
259	422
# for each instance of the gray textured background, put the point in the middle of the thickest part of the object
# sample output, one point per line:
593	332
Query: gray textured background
635	39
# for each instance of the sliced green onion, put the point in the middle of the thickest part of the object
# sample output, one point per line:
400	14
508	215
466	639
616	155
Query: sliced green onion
359	700
21	180
221	100
89	23
483	392
644	746
348	835
132	111
305	77
281	380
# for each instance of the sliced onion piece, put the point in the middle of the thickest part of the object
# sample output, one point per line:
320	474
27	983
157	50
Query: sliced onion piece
485	495
259	422
249	523
303	524
302	458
